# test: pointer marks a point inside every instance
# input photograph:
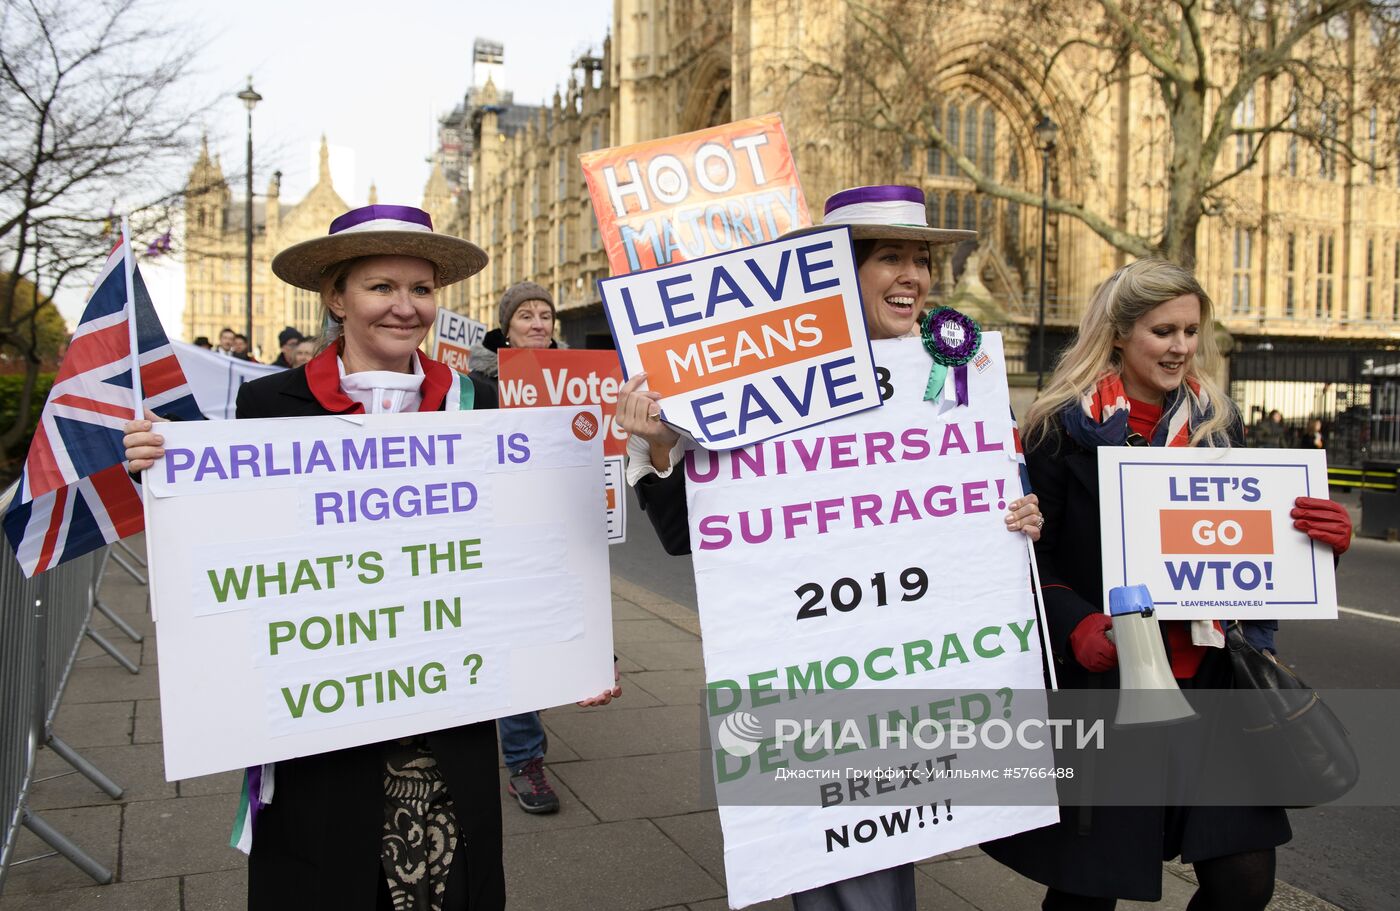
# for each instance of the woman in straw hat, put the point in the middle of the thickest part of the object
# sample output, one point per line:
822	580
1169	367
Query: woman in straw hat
892	243
1139	373
413	824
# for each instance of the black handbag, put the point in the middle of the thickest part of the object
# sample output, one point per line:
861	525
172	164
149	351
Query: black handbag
1310	759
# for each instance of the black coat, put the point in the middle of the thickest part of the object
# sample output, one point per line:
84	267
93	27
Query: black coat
663	500
317	846
1110	851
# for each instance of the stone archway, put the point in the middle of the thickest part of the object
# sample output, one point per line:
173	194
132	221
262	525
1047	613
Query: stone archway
706	101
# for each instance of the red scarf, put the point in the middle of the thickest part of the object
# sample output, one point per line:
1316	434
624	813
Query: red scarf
323	376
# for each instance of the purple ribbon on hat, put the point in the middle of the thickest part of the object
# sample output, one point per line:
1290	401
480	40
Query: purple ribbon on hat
888	205
856	195
408	215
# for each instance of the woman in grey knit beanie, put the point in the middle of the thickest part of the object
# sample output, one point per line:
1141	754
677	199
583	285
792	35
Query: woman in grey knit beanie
526	316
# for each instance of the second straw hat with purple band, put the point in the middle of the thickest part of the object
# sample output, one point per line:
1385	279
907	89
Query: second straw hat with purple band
379	231
887	212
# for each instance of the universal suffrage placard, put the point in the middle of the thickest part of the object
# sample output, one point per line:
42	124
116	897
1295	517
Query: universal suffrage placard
320	583
1208	531
747	345
863	560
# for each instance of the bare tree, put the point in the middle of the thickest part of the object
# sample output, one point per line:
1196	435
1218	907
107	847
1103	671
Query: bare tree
1206	61
89	125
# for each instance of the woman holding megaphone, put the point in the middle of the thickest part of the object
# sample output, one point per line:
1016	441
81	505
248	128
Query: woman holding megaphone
1139	373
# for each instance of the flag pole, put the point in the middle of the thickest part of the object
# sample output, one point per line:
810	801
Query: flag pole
1042	617
129	265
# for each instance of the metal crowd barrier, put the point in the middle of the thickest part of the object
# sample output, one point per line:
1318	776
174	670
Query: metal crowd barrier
43	622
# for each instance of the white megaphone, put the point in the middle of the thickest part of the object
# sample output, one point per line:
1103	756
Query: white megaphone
1148	693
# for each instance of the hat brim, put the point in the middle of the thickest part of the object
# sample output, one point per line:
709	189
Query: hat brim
453	259
932	236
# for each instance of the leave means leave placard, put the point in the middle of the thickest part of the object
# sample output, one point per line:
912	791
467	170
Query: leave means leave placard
748	345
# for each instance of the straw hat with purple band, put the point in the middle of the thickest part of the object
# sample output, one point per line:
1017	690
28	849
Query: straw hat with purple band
379	231
885	212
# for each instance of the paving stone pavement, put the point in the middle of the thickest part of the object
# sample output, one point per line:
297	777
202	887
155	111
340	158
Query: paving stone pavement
633	834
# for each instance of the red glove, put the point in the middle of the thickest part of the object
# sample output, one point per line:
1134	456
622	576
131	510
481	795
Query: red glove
1323	520
1092	649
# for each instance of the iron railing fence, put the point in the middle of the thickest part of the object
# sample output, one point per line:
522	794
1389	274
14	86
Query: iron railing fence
43	622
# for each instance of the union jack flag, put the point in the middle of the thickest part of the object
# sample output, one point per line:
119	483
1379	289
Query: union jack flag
74	494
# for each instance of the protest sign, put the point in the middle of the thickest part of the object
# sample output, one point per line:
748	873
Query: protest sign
748	345
453	337
216	378
866	558
1208	531
533	377
687	196
320	583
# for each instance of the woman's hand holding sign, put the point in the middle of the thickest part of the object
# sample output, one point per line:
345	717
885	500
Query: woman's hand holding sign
1025	517
639	413
143	444
606	696
1324	521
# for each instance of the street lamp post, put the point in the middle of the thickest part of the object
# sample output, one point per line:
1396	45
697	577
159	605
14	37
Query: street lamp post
250	100
1045	138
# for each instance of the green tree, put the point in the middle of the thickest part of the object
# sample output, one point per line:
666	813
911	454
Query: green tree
38	327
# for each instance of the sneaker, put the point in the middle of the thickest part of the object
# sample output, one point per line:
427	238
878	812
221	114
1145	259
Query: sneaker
532	789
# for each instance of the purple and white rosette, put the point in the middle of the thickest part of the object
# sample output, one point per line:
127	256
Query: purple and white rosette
952	339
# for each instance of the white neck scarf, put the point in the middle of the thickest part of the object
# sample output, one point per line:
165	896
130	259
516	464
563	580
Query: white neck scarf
383	391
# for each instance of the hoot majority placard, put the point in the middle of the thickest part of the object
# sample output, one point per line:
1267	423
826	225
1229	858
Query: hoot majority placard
688	196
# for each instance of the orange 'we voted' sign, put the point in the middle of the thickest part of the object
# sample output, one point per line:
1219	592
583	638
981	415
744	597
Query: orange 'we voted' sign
536	377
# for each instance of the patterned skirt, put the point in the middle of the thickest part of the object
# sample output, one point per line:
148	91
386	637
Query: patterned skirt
420	828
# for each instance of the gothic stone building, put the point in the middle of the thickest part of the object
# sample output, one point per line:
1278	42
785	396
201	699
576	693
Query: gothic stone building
215	255
1303	251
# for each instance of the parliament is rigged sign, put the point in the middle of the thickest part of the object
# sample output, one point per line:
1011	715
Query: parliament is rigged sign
326	582
747	345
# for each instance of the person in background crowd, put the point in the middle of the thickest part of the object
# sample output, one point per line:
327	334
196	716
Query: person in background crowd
1138	374
202	341
226	336
305	351
892	244
1313	437
287	340
240	348
411	824
1270	433
526	315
